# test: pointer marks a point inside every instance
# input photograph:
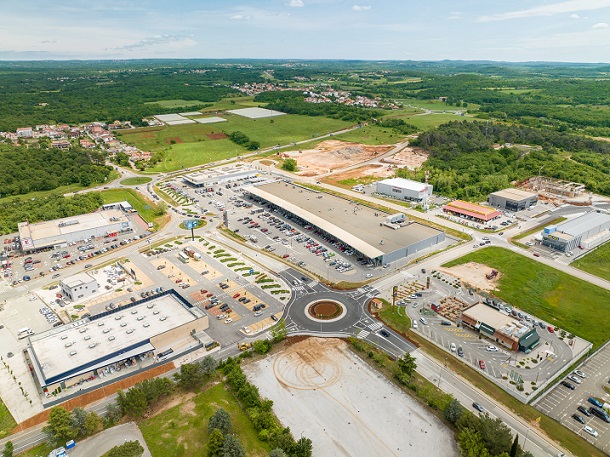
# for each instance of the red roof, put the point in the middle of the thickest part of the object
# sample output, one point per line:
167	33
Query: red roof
484	217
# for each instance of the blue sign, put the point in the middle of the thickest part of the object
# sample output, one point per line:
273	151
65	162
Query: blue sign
191	224
251	272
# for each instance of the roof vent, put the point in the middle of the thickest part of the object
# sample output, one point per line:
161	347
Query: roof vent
68	344
63	337
155	312
150	306
162	318
106	330
92	345
73	353
124	324
134	311
146	324
140	318
118	318
111	338
100	324
83	330
129	331
87	338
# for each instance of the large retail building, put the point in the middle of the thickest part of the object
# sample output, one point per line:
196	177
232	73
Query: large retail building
378	236
513	199
404	189
585	231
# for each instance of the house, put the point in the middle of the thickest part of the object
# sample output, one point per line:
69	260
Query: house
60	144
86	144
25	132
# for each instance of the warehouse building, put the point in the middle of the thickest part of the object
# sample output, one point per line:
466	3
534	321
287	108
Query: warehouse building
378	236
60	232
472	211
513	199
134	336
210	178
500	327
78	286
404	189
585	231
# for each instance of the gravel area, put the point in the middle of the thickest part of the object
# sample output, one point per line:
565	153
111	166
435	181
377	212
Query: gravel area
324	391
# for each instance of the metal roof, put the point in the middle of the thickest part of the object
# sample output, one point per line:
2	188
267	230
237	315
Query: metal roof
514	194
583	224
405	184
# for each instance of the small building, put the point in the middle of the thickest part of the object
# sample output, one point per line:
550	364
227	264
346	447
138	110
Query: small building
60	144
210	178
404	189
25	132
513	199
123	206
585	231
500	327
79	286
472	211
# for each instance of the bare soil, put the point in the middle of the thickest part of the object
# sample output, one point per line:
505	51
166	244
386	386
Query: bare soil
333	154
363	173
411	158
217	136
175	139
473	274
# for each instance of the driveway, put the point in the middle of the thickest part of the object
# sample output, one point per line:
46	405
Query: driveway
104	441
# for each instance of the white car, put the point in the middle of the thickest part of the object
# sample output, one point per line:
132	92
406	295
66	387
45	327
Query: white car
258	313
452	347
412	296
591	431
574	379
415	325
221	316
228	321
246	329
490	348
580	373
368	275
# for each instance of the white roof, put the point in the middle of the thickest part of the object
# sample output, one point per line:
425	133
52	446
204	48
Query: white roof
77	280
405	184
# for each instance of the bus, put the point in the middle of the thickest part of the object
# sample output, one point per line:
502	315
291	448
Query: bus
24	333
183	257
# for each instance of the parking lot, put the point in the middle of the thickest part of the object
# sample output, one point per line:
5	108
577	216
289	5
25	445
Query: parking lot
562	402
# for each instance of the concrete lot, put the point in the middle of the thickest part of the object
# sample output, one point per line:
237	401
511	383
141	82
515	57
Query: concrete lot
322	390
104	441
560	402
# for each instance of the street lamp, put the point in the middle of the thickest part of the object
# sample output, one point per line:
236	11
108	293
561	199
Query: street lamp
539	177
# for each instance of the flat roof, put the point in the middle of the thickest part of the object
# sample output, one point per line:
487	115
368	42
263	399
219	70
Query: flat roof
62	227
405	184
347	221
94	340
202	177
504	323
472	209
583	223
514	194
77	280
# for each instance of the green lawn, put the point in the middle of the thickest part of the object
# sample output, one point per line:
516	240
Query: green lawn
371	134
395	317
428	121
549	294
7	423
596	262
175	103
187	155
183	429
232	103
135	181
145	207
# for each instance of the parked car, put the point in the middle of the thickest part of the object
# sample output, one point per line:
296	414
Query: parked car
568	385
584	410
578	418
591	431
460	351
482	365
580	373
491	348
595	401
574	379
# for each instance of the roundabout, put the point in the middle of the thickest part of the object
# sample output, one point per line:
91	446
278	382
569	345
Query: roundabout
326	310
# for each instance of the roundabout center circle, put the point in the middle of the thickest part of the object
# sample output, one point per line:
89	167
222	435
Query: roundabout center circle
325	310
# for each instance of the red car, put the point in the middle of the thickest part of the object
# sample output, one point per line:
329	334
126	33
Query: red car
210	294
203	291
481	365
178	281
236	295
285	256
536	254
550	329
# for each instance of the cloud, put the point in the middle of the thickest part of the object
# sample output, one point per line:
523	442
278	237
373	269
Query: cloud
361	7
156	41
241	17
296	3
574	16
455	15
569	6
601	25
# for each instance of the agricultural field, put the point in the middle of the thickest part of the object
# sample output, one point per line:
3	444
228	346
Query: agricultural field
175	103
596	262
429	121
549	294
372	135
232	103
187	155
182	430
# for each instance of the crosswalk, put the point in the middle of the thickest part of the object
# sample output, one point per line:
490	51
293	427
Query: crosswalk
375	326
362	334
313	284
299	288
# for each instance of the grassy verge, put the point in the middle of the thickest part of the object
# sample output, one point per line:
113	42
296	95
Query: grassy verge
596	262
148	210
136	181
537	229
7	423
395	317
165	196
182	430
41	449
549	294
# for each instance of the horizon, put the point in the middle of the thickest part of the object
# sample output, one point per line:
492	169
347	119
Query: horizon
569	31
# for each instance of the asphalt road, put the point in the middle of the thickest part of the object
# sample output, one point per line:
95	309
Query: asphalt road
101	443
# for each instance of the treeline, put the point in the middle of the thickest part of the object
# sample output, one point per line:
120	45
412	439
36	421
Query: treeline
293	102
463	163
242	139
26	170
54	206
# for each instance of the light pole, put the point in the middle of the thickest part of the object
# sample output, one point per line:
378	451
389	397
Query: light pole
539	177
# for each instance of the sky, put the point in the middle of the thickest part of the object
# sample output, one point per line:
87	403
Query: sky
517	30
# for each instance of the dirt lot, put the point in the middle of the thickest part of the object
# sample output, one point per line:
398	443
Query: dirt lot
321	389
333	154
411	158
216	136
364	174
473	274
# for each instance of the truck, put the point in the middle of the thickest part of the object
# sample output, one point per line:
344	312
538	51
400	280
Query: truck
183	257
397	218
244	346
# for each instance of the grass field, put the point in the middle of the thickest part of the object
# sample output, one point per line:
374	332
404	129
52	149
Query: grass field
556	297
145	207
428	121
7	423
370	134
183	430
187	155
538	229
596	262
232	103
175	103
135	181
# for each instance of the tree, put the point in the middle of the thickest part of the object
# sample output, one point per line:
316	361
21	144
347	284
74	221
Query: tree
303	447
92	423
261	346
468	420
127	449
495	434
471	444
277	453
232	447
133	403
77	418
407	364
220	420
113	413
59	428
453	411
290	165
208	365
514	450
215	442
8	449
190	376
279	331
